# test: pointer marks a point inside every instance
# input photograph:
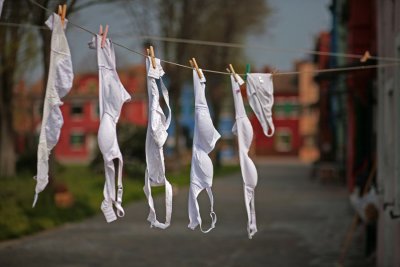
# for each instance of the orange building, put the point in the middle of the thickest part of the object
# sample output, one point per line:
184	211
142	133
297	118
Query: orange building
309	115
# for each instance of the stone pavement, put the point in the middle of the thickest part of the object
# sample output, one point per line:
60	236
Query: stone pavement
300	223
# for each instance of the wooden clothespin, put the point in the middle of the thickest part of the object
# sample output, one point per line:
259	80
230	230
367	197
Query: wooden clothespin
153	59
233	72
197	68
104	36
62	12
365	57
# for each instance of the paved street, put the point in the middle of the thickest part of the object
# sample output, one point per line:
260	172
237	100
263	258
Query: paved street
300	222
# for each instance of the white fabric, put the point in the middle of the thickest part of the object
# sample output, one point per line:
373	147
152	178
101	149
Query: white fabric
244	131
59	83
155	140
112	96
201	172
360	204
260	92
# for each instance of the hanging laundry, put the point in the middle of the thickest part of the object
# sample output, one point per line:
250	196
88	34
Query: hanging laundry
201	172
112	95
244	131
260	92
59	83
362	203
155	139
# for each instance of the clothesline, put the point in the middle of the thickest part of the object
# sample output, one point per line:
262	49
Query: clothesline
277	73
253	46
223	44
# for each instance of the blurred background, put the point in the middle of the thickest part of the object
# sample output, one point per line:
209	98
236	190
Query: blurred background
329	181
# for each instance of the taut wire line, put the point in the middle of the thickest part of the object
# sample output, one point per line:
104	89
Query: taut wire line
228	45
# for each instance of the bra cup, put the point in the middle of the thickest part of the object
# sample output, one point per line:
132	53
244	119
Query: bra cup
203	168
156	172
111	94
207	135
247	165
106	135
114	93
249	170
125	96
247	133
261	99
63	75
53	126
159	133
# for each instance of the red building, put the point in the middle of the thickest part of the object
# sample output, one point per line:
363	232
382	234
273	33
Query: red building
286	141
78	138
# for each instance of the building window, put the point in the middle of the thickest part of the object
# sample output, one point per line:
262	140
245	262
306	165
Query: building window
278	110
77	110
287	108
77	140
283	140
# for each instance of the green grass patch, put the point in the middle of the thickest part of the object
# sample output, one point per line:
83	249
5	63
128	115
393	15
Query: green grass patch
18	218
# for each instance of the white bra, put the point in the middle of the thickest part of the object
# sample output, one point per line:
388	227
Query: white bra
260	92
201	173
59	83
244	131
112	96
155	139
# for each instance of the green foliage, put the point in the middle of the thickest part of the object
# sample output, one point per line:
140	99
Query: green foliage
18	218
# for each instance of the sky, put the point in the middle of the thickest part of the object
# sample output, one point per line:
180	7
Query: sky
293	24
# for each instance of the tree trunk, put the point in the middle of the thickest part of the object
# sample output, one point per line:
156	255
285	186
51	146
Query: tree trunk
7	151
8	54
7	148
217	91
176	74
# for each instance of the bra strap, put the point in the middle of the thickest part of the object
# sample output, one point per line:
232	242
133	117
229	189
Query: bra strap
118	199
212	213
110	196
152	218
251	213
